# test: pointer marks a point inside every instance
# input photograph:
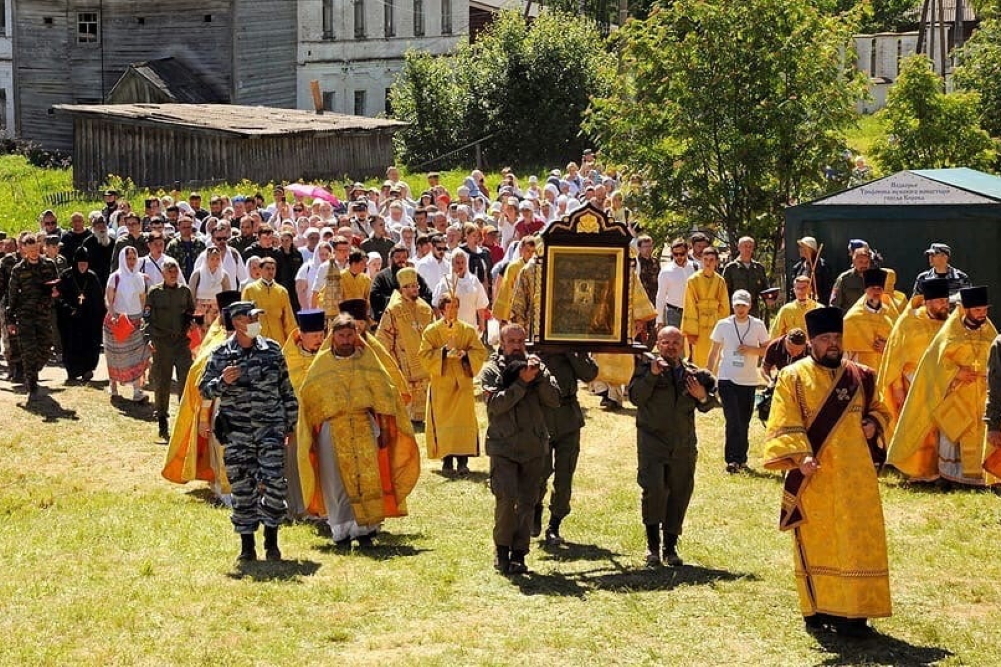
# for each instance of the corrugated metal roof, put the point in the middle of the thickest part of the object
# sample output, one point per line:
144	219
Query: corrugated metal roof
176	81
231	118
968	179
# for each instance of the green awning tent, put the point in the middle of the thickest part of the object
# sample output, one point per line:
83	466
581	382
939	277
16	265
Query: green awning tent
901	215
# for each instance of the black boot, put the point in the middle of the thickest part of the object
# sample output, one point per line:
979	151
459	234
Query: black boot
448	465
248	551
537	521
671	556
462	465
517	565
652	544
271	551
502	561
553	537
164	427
31	384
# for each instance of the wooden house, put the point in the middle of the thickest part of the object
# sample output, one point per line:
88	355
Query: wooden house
76	51
157	145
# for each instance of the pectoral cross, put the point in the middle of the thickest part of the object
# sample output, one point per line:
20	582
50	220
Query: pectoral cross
81	299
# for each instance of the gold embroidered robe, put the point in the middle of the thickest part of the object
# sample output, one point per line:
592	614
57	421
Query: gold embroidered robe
840	550
706	303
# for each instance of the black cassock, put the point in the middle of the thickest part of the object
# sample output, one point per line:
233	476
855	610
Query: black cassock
80	316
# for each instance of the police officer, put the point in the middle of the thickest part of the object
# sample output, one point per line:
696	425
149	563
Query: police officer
257	411
517	388
29	310
168	314
564	424
667	391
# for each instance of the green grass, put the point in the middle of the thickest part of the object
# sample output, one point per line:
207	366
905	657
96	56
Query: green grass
106	563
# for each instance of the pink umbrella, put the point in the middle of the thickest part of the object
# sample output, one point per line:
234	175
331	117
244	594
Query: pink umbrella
314	191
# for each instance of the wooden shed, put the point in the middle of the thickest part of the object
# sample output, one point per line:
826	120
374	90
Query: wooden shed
157	145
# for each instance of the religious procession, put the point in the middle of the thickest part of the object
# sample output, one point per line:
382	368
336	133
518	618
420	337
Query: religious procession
311	341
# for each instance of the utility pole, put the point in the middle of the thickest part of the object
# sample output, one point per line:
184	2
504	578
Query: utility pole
623	12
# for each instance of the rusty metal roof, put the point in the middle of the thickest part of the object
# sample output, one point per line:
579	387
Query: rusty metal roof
230	118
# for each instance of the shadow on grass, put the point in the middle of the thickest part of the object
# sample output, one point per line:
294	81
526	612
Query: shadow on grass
47	407
205	495
879	649
755	473
578	584
285	570
476	476
569	551
141	411
387	546
663	578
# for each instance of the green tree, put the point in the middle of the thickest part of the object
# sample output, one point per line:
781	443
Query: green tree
526	87
927	128
980	71
730	110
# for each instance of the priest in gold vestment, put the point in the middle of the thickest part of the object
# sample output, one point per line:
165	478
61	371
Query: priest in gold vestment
824	415
706	303
400	330
358	460
193	451
453	355
941	432
869	321
300	350
910	337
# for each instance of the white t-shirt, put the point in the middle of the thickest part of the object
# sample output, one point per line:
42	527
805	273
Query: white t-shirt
738	368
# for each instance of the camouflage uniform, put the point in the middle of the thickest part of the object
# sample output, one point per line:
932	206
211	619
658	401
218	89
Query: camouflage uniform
12	351
29	308
260	408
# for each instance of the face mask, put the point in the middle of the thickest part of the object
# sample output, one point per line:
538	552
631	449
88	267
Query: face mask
254	329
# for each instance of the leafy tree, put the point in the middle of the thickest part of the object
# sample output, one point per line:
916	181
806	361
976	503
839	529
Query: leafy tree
525	86
730	110
928	128
980	71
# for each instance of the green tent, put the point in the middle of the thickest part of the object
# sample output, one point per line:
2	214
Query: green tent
901	215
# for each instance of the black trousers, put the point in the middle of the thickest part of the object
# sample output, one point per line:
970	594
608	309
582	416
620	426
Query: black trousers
738	408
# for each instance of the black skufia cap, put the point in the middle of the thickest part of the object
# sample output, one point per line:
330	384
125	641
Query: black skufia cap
824	320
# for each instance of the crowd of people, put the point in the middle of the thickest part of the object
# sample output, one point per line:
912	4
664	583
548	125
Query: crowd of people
312	340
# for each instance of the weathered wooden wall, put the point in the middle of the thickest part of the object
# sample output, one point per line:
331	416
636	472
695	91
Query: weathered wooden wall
52	68
265	34
159	156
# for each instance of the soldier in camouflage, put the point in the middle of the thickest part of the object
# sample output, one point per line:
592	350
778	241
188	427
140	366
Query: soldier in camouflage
257	411
12	350
29	308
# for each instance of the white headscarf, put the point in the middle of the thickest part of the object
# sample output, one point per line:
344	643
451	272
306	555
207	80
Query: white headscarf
128	284
210	284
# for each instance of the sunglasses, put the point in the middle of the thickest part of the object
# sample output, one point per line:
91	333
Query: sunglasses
680	254
220	238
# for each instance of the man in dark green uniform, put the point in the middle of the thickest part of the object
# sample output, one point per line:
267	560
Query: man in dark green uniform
668	390
745	273
564	424
52	252
29	307
169	309
518	389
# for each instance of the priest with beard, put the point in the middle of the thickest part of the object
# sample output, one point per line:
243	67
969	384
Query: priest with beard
100	246
358	460
825	416
911	335
941	433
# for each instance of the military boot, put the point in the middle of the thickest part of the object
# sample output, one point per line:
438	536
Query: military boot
537	521
502	561
248	551
553	537
652	544
517	565
164	427
671	556
271	551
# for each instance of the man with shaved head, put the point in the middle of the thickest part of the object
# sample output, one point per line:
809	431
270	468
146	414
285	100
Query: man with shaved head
667	390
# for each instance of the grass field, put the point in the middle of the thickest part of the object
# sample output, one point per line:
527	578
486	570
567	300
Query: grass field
105	563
